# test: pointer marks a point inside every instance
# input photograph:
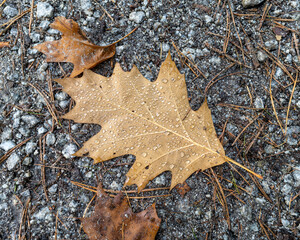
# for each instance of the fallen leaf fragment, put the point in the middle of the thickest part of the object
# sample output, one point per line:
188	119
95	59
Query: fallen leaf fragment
113	219
183	188
151	120
4	44
74	47
279	33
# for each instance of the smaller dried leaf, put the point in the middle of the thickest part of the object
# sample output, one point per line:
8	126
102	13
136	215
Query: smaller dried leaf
279	33
113	219
183	188
74	47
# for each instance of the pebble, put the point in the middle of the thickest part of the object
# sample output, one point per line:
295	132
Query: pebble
115	186
271	44
208	19
27	161
260	201
50	139
286	189
41	130
269	149
87	7
30	120
44	25
251	3
261	56
258	103
35	37
161	180
296	175
9	11
6	134
63	104
137	16
12	161
285	223
165	47
61	96
44	10
53	189
183	205
68	150
7	145
30	147
41	214
254	227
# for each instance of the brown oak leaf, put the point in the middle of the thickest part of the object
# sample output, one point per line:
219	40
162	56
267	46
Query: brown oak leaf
4	44
113	219
151	120
74	47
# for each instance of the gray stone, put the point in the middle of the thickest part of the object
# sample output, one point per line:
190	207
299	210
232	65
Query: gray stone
6	134
30	147
258	103
87	7
296	175
183	205
251	3
61	96
254	227
286	189
50	139
165	47
115	186
260	201
53	189
35	37
4	207
156	26
27	161
44	25
261	56
7	145
9	11
266	187
12	161
68	150
271	44
44	10
41	214
137	16
269	149
160	180
285	223
41	130
63	104
30	120
208	19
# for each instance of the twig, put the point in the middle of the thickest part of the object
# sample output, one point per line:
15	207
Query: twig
9	23
226	55
6	155
288	110
263	17
31	17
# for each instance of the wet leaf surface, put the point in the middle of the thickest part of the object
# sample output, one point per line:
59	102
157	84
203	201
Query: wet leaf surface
74	47
151	120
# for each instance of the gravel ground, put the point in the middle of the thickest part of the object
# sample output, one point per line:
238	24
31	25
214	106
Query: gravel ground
266	209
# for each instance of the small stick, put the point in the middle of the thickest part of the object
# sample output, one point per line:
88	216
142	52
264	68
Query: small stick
238	136
254	139
31	17
226	55
6	155
288	110
266	10
2	3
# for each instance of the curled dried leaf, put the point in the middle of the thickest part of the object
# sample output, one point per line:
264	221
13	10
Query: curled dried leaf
74	47
113	219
